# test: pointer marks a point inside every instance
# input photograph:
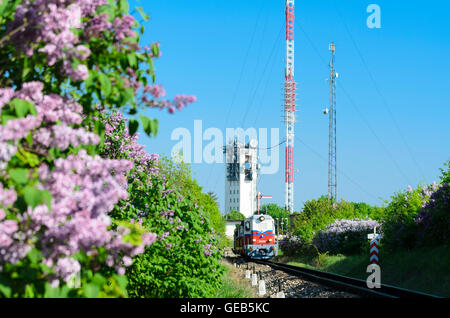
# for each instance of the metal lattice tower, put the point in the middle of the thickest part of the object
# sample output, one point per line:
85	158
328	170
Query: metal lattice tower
332	171
289	107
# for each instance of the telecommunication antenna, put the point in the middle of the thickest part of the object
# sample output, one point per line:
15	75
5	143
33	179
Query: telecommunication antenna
332	171
289	107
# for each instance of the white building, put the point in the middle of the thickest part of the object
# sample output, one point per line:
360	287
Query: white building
241	175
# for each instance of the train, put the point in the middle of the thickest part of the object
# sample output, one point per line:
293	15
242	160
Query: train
255	238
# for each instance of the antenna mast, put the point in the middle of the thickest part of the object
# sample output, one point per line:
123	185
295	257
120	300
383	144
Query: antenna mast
332	171
289	107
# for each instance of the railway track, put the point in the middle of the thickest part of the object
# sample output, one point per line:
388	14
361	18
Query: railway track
343	283
304	282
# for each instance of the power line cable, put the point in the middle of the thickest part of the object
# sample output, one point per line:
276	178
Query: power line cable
378	90
249	105
240	79
356	108
339	170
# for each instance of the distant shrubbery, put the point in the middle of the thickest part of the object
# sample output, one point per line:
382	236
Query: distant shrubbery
345	236
234	215
412	218
294	245
317	214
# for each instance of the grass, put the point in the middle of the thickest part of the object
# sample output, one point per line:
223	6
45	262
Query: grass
233	286
423	269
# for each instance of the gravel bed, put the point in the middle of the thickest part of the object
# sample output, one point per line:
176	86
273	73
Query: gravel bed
292	286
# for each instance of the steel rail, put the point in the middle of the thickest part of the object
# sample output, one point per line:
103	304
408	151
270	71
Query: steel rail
348	284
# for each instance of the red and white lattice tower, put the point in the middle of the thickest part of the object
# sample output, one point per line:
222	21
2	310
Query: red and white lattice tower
289	106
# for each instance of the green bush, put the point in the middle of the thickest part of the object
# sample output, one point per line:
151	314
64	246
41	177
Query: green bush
399	226
433	220
317	214
179	176
184	260
273	210
445	173
234	215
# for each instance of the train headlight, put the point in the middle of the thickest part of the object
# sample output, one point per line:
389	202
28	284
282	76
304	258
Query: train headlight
254	240
270	240
261	218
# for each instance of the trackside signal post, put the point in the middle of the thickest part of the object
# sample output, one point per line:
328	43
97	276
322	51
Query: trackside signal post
374	279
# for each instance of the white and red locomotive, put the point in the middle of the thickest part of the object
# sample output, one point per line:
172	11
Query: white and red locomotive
255	237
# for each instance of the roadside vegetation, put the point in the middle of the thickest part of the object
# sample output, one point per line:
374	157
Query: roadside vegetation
85	210
415	227
234	286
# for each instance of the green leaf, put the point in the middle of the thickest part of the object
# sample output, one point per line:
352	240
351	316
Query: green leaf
5	290
132	59
89	82
29	291
155	127
51	292
133	126
121	281
99	280
91	290
155	50
148	125
26	69
6	117
27	157
33	197
126	95
34	255
22	107
19	175
123	5
105	84
144	15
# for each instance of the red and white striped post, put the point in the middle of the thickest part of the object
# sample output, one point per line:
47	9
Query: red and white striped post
258	197
374	246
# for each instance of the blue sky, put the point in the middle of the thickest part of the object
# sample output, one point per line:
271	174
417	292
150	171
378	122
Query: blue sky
393	90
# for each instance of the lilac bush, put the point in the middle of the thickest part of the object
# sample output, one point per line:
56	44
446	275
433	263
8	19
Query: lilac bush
64	62
79	189
183	261
399	221
290	245
433	220
345	236
293	245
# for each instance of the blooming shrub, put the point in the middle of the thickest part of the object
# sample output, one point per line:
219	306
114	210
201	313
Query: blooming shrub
433	220
292	245
399	221
58	211
317	214
183	262
345	236
65	61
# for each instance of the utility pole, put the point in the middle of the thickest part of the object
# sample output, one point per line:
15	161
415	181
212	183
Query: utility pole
332	170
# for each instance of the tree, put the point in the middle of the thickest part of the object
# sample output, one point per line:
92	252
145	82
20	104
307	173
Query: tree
273	210
445	173
214	197
234	215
